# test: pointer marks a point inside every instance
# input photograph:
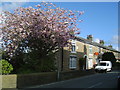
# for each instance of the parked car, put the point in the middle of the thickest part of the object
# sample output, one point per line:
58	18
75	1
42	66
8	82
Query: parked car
104	66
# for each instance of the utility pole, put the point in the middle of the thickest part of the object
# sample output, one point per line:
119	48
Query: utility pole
60	58
58	64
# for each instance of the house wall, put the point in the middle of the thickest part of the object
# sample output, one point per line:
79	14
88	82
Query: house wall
67	53
82	50
95	49
91	58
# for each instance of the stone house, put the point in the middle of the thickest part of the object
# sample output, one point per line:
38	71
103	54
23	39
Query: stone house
87	50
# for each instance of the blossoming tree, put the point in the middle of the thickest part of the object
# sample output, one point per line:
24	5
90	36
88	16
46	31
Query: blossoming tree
41	29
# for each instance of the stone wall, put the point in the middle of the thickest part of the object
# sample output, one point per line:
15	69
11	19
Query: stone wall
9	81
27	80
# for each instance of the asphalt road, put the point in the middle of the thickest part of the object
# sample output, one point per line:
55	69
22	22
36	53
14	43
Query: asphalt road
98	80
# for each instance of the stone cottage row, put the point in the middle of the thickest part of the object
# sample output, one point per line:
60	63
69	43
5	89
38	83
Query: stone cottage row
82	49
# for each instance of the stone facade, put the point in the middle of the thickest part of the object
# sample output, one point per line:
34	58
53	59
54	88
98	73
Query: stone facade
71	56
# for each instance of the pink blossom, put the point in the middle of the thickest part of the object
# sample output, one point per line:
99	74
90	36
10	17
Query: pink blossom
47	23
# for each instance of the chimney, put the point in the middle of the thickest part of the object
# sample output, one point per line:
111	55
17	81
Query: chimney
90	37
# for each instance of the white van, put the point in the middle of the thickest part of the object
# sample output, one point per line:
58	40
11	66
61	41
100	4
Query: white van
104	66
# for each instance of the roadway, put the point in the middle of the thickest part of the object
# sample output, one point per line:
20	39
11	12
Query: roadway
99	80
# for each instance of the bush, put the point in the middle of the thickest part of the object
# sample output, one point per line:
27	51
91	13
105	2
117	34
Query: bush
24	70
109	56
32	63
5	67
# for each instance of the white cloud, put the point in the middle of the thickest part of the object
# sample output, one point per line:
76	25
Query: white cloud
6	6
117	48
97	40
115	39
10	6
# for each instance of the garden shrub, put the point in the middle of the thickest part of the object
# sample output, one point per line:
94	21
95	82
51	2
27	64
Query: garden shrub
5	67
109	56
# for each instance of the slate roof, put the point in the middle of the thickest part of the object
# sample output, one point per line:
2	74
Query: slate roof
95	44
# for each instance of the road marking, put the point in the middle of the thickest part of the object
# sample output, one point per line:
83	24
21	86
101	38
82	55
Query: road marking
95	85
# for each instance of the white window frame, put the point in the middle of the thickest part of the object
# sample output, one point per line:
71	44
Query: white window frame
90	50
73	62
73	47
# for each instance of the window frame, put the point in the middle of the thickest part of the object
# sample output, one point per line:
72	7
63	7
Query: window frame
73	46
90	50
73	62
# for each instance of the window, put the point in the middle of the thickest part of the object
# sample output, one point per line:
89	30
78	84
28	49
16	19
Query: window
102	64
90	50
73	49
72	64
